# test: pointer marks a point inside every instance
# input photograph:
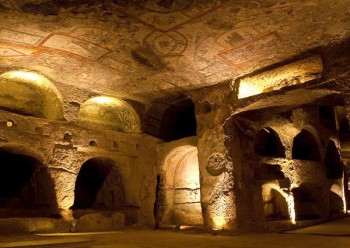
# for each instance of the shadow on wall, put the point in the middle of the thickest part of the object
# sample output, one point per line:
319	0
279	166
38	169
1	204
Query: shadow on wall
26	187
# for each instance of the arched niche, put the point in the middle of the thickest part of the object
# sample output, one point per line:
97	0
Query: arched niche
305	147
171	119
99	186
109	113
307	202
333	161
275	203
268	144
29	93
26	187
180	189
336	204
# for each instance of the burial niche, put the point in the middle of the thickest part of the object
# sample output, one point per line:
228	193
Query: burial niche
333	162
305	147
275	204
180	189
171	119
307	202
28	93
26	187
99	186
268	144
336	204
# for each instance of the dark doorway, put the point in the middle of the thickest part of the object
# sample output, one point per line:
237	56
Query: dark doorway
26	187
333	162
305	147
267	143
99	186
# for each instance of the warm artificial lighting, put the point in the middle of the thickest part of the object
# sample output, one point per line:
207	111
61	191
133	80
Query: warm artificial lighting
9	123
219	222
246	89
105	100
294	73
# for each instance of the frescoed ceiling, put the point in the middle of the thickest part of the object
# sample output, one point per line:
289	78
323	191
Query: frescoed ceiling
144	50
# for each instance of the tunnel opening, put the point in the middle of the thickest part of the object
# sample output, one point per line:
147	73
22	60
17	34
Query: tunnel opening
333	162
306	203
180	189
26	187
268	144
275	204
305	147
171	119
99	186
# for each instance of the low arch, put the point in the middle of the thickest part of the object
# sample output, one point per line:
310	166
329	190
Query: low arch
111	113
26	186
307	202
333	162
275	203
99	185
180	188
267	143
305	146
29	93
336	203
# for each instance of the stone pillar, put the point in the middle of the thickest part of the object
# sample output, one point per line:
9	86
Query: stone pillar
216	173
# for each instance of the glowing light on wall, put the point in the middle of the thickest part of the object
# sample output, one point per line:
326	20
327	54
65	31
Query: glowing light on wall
246	90
294	73
30	93
110	113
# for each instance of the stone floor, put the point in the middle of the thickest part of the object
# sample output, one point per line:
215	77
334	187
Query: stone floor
333	234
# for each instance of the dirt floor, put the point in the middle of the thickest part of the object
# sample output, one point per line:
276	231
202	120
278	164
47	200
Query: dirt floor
332	234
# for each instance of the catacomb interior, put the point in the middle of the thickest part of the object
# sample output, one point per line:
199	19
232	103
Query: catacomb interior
219	115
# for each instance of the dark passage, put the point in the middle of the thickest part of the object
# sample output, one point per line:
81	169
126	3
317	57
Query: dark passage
26	188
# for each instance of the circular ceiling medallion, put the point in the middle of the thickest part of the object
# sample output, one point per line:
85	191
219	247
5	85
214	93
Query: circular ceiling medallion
216	164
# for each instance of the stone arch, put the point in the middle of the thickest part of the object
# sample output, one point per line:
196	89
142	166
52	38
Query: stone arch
99	185
109	113
26	186
333	162
306	146
29	93
336	203
267	143
275	203
171	119
180	188
307	202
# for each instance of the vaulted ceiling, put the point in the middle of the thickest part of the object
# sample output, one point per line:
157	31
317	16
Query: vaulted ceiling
144	50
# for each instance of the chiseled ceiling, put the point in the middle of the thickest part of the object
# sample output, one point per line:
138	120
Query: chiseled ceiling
145	50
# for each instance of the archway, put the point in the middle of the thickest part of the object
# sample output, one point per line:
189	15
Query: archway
171	119
305	147
267	143
109	113
26	187
180	189
306	202
333	161
99	186
336	204
275	204
28	93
